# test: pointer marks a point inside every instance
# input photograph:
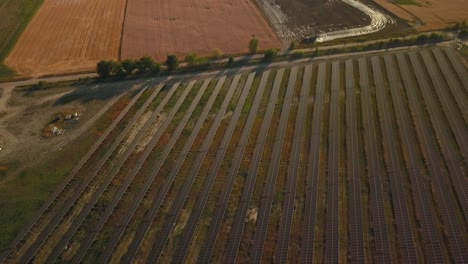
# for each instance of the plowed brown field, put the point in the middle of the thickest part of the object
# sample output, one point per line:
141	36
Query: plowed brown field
69	35
159	28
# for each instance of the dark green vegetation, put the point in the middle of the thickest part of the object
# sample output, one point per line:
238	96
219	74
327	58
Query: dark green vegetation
253	45
14	17
110	68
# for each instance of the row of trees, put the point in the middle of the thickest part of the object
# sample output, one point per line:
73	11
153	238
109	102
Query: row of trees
108	68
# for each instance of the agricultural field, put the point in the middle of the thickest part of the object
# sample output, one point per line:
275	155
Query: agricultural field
431	14
14	17
69	36
360	159
159	28
327	20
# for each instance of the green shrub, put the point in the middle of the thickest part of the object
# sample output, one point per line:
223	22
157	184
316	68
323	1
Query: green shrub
146	65
253	45
270	54
171	62
129	66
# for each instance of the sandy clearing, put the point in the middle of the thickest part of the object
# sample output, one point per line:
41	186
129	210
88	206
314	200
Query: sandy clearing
69	36
159	28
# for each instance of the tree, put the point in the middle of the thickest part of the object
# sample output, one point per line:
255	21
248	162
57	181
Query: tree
146	64
171	62
270	54
129	66
253	45
104	68
116	69
421	38
191	59
230	60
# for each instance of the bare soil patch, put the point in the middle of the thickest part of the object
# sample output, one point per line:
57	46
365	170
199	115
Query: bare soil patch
159	28
69	36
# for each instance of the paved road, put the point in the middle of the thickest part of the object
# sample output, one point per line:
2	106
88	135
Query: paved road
374	168
394	169
332	247
293	171
354	172
421	198
239	218
53	198
272	174
222	204
429	149
86	243
313	172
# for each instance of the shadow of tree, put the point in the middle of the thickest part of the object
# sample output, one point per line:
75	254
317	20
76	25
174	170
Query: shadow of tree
88	93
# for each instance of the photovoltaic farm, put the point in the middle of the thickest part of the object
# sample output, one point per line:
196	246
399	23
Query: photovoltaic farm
360	160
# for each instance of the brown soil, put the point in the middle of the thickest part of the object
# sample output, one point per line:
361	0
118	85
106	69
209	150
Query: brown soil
159	28
69	36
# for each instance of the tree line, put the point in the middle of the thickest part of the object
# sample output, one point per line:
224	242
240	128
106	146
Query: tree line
146	64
